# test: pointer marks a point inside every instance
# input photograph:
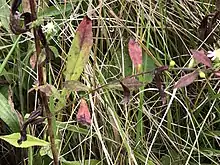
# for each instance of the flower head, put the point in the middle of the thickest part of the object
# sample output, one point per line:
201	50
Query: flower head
201	74
172	63
214	54
49	28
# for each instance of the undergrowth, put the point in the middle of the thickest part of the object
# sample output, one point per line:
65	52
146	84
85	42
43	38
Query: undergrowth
184	130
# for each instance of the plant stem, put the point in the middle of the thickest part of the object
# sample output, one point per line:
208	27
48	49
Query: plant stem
20	82
43	97
139	134
30	152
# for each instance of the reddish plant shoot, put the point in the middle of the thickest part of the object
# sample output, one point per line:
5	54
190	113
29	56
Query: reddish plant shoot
83	115
79	51
85	31
135	53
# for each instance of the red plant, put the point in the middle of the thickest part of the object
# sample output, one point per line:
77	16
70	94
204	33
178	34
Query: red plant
135	53
83	115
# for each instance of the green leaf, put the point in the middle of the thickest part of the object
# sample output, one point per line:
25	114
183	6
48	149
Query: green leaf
126	61
78	54
211	152
216	96
55	51
72	128
4	14
147	66
46	150
166	159
31	141
127	65
54	10
75	86
7	115
62	99
86	162
142	158
213	133
76	128
4	90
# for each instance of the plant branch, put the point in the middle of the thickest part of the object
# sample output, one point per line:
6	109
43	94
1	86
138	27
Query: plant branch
43	97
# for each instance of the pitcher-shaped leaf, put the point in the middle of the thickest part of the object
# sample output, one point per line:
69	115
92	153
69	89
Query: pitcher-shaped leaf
83	114
135	53
78	54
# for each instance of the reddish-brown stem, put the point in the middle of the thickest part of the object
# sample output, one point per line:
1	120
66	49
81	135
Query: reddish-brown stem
43	97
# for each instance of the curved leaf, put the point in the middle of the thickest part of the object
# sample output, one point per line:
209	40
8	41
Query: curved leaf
201	57
78	54
75	86
31	141
7	115
186	80
132	83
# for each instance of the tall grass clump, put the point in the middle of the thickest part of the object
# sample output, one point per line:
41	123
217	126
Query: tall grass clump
120	124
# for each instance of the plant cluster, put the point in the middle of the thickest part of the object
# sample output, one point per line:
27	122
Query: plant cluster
109	82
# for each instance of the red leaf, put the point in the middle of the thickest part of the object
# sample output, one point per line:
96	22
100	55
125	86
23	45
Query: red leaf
217	73
135	52
201	57
85	31
186	80
83	114
79	51
131	83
